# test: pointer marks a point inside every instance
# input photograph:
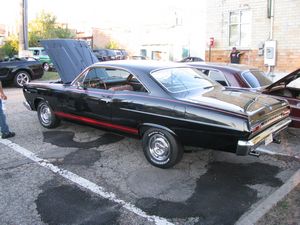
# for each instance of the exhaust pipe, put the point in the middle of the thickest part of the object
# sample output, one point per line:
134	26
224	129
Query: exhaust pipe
254	153
276	140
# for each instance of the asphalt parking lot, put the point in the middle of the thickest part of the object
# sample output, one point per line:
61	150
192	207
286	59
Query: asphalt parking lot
77	174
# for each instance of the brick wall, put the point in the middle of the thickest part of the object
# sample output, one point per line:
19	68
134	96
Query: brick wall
286	31
287	59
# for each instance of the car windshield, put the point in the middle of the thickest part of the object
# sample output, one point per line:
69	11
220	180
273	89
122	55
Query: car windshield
182	79
256	78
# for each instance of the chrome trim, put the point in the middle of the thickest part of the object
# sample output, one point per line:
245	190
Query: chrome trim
159	148
245	147
27	105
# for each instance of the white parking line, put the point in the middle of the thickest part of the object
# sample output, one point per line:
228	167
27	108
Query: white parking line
83	182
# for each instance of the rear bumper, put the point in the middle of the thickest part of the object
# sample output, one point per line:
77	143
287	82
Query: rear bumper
245	147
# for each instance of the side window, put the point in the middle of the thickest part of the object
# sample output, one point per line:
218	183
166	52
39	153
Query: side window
96	78
217	76
205	71
117	74
36	52
113	80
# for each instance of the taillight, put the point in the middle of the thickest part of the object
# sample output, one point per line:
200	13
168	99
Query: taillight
256	128
286	112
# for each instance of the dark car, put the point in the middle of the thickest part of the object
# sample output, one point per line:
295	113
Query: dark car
20	71
191	59
124	53
119	55
167	105
105	54
40	54
243	76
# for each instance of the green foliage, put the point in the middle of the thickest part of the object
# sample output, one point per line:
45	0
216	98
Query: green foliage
112	45
10	48
50	76
44	27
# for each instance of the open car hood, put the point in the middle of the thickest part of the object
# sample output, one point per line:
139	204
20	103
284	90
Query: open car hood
285	80
70	57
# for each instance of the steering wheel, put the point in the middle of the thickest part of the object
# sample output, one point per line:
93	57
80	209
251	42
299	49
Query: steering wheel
96	82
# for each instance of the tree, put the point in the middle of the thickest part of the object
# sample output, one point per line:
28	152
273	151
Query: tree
45	26
10	47
112	45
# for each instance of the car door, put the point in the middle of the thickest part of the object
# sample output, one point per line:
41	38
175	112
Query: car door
96	95
129	99
88	97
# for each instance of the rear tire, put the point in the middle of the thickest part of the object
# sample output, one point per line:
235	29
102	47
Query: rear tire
161	148
46	66
46	115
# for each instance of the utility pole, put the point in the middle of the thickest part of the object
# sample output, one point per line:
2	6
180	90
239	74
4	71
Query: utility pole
23	28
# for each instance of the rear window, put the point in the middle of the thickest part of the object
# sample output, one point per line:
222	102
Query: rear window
256	78
182	79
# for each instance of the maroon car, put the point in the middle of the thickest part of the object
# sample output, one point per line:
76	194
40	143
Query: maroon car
242	76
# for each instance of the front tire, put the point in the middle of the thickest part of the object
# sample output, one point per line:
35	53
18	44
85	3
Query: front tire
161	148
21	78
46	115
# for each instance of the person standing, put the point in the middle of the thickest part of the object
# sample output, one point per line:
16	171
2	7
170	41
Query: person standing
4	127
235	56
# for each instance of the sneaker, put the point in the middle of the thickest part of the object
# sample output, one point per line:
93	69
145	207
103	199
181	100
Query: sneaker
8	135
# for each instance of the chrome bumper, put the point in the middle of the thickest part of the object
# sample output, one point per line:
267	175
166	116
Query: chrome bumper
27	105
246	147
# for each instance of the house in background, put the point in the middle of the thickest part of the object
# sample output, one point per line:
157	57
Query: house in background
267	31
173	33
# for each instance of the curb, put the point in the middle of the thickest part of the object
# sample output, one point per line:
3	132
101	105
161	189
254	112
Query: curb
270	201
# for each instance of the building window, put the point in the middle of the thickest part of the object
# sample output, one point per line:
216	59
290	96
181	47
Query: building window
239	28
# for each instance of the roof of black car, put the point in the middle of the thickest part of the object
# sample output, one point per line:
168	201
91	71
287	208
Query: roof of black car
144	65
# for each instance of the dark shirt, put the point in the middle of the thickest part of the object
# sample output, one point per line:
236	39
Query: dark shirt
235	57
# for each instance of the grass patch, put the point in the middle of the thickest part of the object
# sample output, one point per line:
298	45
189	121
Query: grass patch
284	205
50	76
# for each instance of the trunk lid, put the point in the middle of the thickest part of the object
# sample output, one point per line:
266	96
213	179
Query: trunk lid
283	81
237	100
259	108
70	57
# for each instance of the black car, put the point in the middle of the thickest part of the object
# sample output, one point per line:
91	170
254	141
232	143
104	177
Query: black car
191	59
167	105
105	54
124	54
20	71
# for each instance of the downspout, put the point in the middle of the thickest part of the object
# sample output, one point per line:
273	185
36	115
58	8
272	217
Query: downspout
271	2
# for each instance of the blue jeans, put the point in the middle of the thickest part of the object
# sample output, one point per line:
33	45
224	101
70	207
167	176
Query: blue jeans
3	124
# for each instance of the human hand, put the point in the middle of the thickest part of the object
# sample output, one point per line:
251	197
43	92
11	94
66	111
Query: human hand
3	96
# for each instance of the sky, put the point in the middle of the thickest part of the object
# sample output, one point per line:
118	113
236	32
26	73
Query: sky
135	16
104	13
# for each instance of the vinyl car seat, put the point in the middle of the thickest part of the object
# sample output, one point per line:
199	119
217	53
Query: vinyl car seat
125	87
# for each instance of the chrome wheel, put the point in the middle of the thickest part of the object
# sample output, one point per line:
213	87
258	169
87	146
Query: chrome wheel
46	66
159	147
45	114
22	78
